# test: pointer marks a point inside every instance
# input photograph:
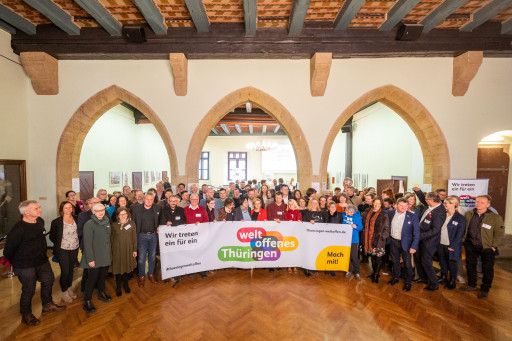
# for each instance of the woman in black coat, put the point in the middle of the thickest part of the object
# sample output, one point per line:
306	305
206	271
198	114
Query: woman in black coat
64	236
376	231
331	216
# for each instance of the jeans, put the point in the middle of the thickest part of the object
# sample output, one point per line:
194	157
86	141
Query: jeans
28	278
67	259
487	255
354	259
396	251
95	279
146	243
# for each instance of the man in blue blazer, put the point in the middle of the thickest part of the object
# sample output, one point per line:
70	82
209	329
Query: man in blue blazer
404	240
430	236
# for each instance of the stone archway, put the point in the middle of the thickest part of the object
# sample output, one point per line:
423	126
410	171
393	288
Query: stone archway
430	137
72	138
273	108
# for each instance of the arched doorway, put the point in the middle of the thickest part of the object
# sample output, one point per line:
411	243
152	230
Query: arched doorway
430	137
72	138
272	107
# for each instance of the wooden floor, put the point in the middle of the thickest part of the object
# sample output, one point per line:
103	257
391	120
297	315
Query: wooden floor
235	305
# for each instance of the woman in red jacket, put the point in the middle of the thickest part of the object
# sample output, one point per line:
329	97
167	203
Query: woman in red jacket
258	213
293	212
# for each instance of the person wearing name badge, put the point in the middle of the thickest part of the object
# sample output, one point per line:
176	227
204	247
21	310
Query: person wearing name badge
124	249
277	208
147	219
449	249
293	212
227	213
313	214
376	233
195	214
243	213
484	232
430	235
172	214
97	256
352	217
404	241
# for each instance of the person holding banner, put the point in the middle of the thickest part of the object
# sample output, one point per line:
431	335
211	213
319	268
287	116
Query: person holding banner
293	212
483	234
450	247
430	235
376	233
332	216
404	241
313	214
277	208
227	213
195	214
172	214
352	217
258	213
243	213
210	209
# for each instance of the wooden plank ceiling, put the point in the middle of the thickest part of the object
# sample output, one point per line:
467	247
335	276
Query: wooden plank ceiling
475	24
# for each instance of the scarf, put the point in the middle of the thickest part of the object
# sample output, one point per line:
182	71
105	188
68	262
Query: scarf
371	217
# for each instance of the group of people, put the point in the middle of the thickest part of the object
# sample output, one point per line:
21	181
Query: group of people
118	234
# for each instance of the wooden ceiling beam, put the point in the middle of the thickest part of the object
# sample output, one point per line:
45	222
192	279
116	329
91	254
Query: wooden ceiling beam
198	14
465	68
506	27
250	17
43	71
17	21
179	69
215	131
237	127
297	17
319	69
397	13
276	129
440	13
485	13
7	28
347	13
251	129
225	128
57	15
153	16
102	16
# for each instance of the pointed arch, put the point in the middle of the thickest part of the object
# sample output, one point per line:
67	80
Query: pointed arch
433	144
72	138
273	108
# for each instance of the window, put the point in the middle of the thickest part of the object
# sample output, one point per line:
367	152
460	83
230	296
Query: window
237	166
204	166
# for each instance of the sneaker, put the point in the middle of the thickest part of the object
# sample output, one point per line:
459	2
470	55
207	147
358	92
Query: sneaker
348	274
357	276
461	279
51	307
71	293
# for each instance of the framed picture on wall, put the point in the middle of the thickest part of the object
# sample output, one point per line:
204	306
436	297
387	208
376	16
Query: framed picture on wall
13	190
115	178
125	179
146	177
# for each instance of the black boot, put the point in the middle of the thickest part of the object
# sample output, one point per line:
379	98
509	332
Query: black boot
89	307
118	285
125	284
376	273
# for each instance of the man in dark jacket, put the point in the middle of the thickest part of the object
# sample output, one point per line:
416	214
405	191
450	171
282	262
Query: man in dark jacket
431	223
146	217
26	250
404	239
172	214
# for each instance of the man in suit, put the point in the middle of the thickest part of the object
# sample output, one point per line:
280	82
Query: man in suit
430	235
404	240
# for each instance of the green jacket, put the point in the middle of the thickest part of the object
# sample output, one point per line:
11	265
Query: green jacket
96	240
491	230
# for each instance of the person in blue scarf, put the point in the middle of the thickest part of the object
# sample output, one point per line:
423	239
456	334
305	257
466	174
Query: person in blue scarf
352	217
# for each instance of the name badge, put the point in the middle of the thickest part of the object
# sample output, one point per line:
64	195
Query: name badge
426	221
179	218
486	226
198	215
127	227
455	223
279	213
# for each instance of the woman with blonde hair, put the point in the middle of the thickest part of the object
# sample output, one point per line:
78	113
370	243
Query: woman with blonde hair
313	213
292	212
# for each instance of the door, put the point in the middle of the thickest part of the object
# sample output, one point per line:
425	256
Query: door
13	190
493	164
86	185
137	180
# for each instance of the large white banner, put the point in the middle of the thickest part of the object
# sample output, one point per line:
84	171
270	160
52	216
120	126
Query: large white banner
253	244
467	191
